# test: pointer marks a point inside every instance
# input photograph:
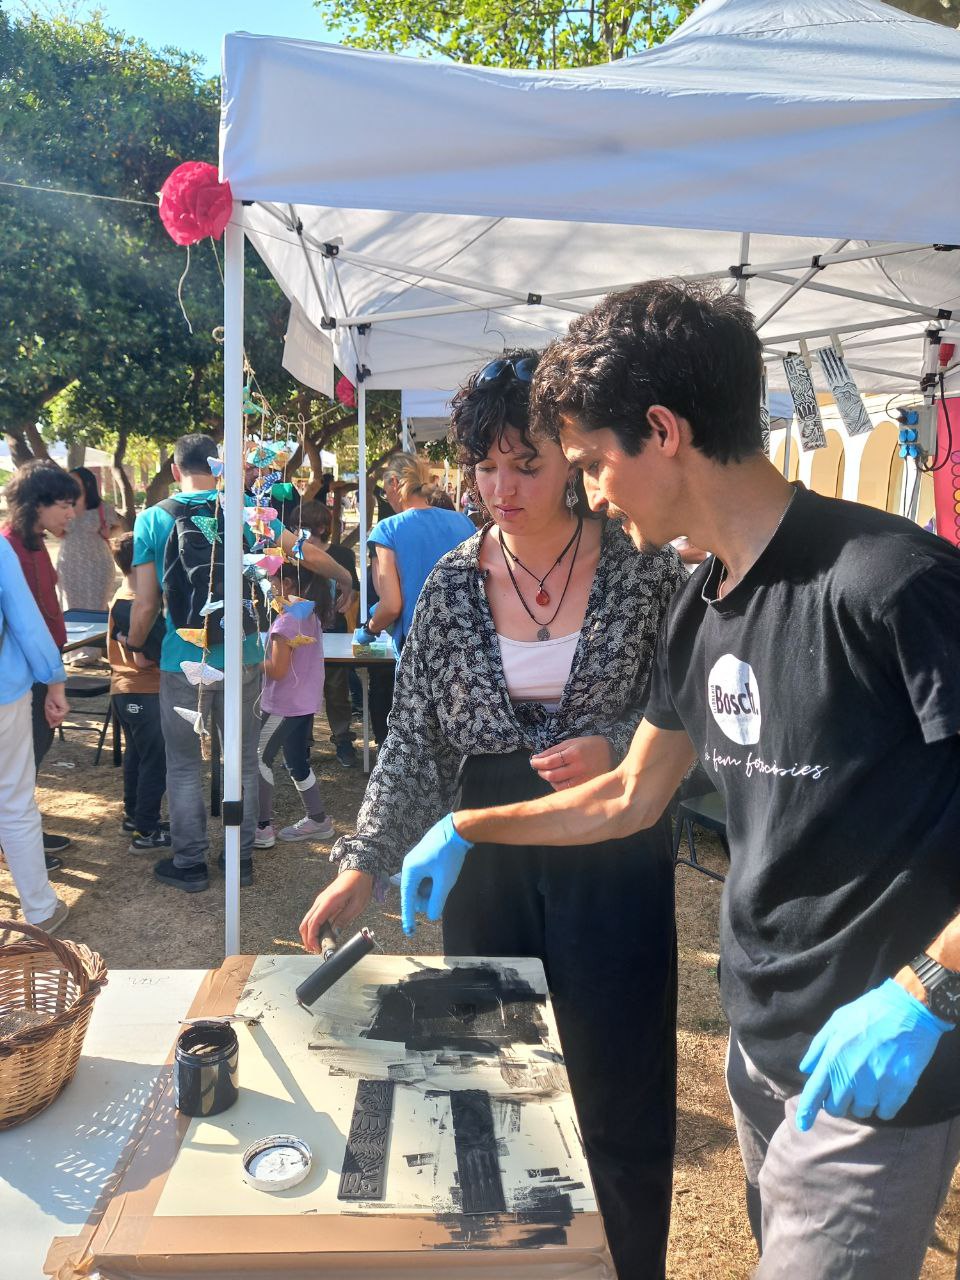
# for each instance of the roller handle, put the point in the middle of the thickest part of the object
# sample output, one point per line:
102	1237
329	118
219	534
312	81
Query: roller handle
330	971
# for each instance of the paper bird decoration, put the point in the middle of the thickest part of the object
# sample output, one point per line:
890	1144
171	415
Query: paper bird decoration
259	457
249	405
266	483
192	717
193	635
270	564
210	607
201	673
250	607
299	608
208	527
297	551
216	466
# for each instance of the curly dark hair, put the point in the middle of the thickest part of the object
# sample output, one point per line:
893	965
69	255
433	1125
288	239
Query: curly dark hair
481	414
687	347
39	483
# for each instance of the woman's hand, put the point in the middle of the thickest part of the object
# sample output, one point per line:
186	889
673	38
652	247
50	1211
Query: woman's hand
337	905
574	761
55	706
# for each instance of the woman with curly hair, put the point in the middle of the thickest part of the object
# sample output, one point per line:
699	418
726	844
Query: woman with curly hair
41	499
526	670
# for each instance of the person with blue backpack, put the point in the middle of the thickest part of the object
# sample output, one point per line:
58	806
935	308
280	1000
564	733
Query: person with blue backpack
179	564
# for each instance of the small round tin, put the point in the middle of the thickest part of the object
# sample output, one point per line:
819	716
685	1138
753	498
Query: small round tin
276	1163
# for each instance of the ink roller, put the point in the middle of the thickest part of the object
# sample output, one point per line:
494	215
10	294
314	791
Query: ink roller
336	962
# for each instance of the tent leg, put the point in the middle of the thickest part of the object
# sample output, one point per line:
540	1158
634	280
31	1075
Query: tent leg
233	581
364	675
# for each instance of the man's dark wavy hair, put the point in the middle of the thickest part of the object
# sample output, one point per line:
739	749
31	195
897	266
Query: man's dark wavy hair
39	483
687	347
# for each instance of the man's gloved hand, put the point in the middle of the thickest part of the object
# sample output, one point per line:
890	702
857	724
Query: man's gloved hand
869	1056
436	860
363	636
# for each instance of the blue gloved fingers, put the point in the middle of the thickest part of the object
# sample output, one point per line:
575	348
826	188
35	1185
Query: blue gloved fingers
866	1096
894	1096
814	1095
409	885
809	1060
438	897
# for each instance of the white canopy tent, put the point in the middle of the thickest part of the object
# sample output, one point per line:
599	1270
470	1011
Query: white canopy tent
799	151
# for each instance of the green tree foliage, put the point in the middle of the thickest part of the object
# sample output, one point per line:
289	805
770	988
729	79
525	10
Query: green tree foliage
88	309
507	33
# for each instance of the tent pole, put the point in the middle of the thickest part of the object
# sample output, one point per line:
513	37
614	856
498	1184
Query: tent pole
744	261
232	579
362	566
796	286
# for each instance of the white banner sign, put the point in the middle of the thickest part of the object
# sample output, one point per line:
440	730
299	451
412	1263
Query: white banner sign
308	352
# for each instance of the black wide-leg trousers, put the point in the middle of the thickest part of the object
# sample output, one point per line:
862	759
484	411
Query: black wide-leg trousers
601	918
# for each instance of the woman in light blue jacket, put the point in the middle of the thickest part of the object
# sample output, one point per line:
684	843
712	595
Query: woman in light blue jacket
27	656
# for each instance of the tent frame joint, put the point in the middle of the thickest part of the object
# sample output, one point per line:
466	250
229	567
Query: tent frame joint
329	249
232	812
362	373
328	322
534	299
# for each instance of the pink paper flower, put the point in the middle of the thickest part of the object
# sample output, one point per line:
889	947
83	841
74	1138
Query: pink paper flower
345	393
194	202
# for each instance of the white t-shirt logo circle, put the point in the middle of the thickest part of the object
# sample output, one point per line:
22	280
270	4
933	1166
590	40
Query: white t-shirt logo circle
735	699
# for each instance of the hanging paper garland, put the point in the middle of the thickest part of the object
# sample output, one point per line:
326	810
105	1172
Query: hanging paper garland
208	527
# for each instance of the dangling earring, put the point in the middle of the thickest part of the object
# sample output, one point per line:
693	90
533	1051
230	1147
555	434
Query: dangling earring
571	497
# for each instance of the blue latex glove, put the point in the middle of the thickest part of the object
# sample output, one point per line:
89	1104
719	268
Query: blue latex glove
430	871
363	636
869	1055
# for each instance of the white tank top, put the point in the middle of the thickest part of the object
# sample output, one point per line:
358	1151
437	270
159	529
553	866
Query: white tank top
537	670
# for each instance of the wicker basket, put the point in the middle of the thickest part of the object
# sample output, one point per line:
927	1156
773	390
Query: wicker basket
59	981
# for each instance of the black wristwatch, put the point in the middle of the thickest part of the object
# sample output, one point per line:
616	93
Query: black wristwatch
941	985
133	648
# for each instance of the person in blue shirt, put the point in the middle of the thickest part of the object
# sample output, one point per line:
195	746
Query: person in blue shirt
409	543
186	869
28	656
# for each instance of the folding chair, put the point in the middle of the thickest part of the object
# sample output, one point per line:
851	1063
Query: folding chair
707	811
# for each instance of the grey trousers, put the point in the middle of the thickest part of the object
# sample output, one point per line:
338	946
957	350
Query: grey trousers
844	1201
186	793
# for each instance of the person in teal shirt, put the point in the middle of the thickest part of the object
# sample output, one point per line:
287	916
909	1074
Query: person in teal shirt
186	869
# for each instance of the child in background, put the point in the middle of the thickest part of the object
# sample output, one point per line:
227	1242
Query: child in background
136	700
292	695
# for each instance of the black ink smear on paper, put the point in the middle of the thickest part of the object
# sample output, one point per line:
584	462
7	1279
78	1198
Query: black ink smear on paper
481	1187
475	1008
365	1159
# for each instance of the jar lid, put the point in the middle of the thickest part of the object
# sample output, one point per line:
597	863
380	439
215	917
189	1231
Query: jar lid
276	1163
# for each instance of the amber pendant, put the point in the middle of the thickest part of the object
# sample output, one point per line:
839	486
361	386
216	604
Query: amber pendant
542	597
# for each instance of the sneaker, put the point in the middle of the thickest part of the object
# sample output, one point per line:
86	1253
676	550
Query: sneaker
265	837
308	829
55	844
246	870
129	825
53	923
346	754
190	879
53	863
144	842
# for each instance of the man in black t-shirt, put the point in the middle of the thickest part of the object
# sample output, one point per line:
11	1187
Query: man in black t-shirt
813	664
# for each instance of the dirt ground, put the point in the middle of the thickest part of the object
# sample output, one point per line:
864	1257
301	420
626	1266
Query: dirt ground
135	922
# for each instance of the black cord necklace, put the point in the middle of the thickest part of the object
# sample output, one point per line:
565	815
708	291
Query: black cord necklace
542	597
543	632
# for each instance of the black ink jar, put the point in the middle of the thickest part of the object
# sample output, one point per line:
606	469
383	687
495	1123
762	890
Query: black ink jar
205	1072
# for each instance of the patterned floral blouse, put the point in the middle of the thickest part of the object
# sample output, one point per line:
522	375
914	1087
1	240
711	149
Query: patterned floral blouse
451	697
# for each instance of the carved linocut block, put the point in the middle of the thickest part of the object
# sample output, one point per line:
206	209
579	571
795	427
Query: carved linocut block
481	1186
365	1160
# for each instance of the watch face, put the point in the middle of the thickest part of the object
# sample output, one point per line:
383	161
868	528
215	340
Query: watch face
944	999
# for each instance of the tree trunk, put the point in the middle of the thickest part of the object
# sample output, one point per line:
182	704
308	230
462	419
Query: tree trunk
127	510
75	455
159	486
36	441
20	451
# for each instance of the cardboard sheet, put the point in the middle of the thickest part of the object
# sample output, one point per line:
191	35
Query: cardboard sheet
182	1208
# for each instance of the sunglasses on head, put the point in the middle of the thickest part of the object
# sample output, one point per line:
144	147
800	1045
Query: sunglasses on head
497	370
